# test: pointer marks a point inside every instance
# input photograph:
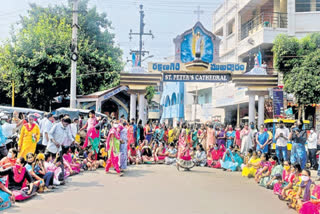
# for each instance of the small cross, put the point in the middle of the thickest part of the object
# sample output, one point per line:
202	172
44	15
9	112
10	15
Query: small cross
198	12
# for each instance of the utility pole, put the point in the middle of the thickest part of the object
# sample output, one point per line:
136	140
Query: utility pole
140	52
74	55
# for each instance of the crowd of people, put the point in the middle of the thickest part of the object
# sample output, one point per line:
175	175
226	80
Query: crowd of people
48	151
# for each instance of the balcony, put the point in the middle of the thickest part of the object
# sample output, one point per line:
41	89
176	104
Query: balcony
264	20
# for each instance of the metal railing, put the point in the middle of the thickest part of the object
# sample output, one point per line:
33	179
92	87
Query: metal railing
271	20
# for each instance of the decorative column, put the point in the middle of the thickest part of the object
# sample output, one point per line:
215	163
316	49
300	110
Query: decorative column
291	10
133	106
252	108
141	108
261	110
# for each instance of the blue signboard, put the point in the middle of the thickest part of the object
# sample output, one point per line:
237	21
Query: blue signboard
167	77
277	102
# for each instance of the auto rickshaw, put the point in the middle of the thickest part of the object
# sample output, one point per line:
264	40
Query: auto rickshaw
271	125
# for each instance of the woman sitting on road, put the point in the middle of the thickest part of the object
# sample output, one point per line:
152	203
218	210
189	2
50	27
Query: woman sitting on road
290	191
286	178
264	168
270	178
184	156
30	166
215	154
313	205
17	176
171	155
160	154
134	155
55	167
304	191
70	158
146	153
251	168
39	170
231	159
10	160
200	158
246	158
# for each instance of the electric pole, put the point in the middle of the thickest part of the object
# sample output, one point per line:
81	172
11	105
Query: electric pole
74	55
140	52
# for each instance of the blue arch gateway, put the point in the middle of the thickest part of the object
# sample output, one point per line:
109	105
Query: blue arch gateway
197	60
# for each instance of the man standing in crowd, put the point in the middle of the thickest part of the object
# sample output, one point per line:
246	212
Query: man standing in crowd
58	135
281	136
74	127
47	124
298	151
312	149
8	129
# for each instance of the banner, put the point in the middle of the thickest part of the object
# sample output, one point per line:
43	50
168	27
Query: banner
277	102
211	67
176	77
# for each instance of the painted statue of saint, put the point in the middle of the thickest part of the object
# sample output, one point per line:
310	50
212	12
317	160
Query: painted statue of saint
197	44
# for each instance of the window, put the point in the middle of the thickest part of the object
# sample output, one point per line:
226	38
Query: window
307	5
174	99
231	27
303	5
167	103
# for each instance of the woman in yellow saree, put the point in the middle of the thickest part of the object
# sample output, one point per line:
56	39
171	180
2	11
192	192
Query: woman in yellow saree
29	137
251	168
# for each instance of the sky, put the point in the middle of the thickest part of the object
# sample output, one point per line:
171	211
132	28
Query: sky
165	18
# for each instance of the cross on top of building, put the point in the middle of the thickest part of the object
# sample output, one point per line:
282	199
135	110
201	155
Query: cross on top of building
198	12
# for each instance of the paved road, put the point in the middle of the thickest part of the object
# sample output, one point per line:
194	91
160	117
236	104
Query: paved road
156	189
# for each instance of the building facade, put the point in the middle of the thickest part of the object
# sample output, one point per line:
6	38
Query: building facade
249	27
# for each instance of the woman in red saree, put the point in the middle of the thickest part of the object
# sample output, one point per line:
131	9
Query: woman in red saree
130	136
184	158
215	154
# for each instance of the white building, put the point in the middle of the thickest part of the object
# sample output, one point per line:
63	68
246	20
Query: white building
249	26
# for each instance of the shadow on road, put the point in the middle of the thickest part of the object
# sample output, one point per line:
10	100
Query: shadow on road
136	173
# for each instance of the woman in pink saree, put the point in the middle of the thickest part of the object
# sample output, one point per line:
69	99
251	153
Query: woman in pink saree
184	158
211	138
312	206
71	160
130	136
113	149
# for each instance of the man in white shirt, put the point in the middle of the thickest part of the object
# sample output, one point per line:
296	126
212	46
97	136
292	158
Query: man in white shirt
47	124
7	128
58	135
282	136
312	148
74	127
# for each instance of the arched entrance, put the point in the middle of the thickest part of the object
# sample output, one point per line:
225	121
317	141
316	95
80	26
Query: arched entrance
110	106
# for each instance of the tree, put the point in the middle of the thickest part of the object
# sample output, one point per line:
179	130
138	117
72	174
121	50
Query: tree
37	56
299	60
150	93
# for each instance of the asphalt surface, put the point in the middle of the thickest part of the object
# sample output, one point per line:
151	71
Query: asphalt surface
156	189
